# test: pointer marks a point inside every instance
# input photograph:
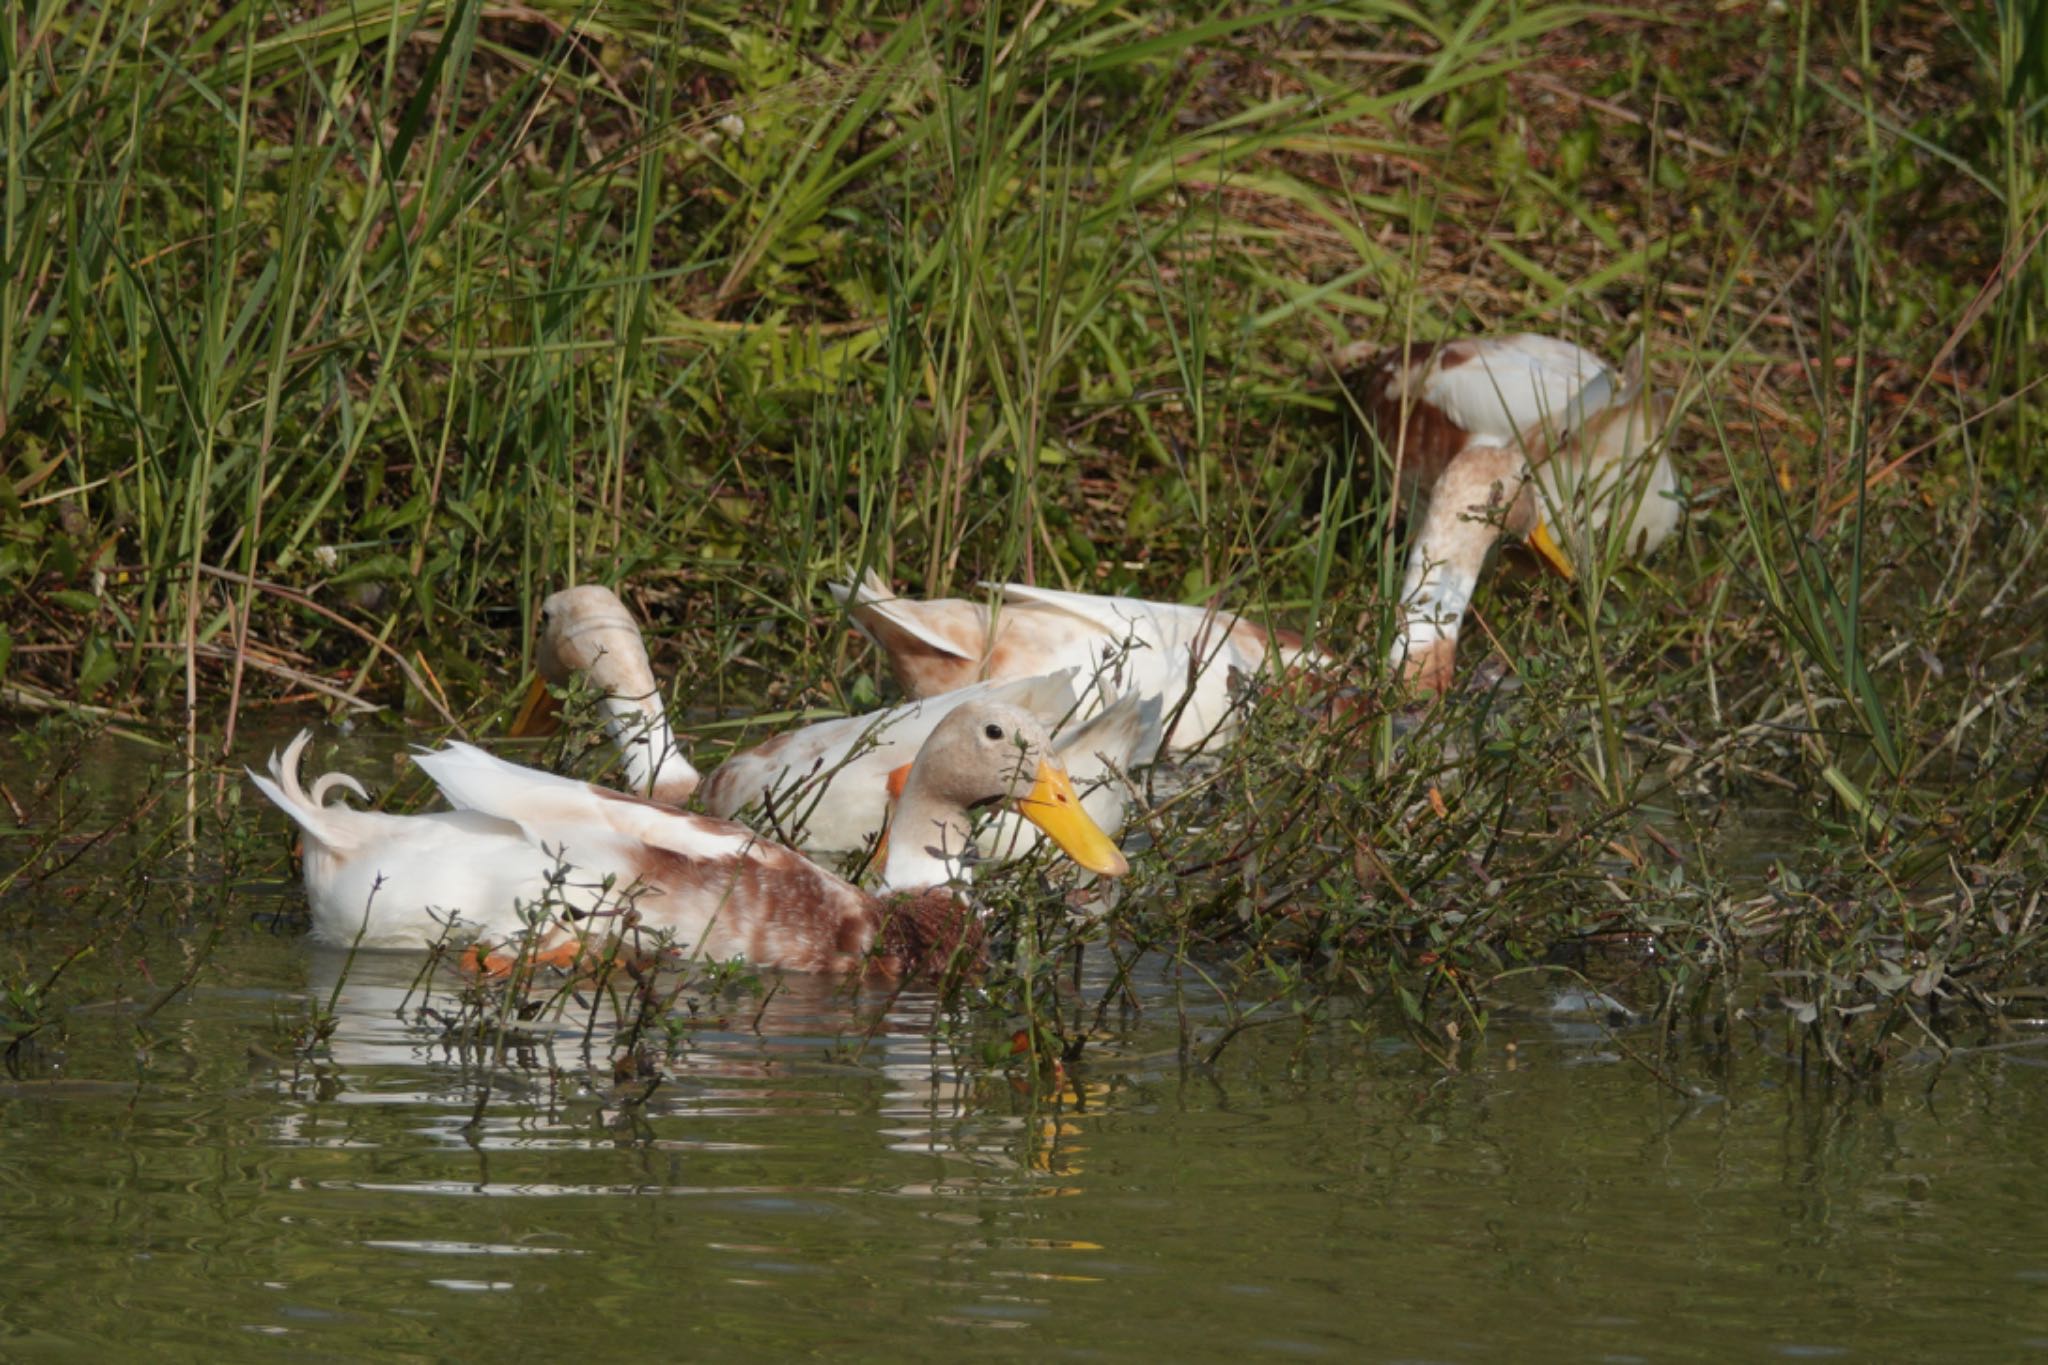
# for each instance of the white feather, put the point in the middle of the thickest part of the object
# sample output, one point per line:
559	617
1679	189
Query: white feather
872	594
1167	650
1513	384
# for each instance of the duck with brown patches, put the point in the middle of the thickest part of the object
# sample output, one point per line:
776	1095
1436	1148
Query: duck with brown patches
825	785
525	850
1118	645
1527	434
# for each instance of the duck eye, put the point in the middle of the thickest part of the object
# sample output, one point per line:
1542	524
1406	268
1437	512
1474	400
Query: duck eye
992	730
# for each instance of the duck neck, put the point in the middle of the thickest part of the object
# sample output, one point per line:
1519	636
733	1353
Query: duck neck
931	842
1481	485
654	763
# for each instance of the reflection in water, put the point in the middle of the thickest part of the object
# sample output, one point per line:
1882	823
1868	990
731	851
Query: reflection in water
811	1185
790	1062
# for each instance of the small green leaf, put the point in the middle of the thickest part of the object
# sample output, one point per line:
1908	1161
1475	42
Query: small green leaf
76	599
97	664
380	567
1575	152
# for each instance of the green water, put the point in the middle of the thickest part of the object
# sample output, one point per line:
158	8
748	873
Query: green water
193	1184
1344	1198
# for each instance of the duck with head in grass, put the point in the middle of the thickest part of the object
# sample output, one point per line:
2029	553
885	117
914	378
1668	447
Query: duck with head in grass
1524	434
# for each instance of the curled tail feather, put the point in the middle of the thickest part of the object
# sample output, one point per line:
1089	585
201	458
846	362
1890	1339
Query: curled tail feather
327	782
307	808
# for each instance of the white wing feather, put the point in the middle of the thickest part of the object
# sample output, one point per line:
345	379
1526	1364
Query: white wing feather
1513	383
872	594
560	813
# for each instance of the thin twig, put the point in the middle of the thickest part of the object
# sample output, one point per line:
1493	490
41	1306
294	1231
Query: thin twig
300	599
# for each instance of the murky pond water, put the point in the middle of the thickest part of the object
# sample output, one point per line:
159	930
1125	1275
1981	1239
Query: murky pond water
192	1184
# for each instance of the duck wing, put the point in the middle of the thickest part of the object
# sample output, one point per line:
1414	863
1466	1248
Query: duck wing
601	830
1496	388
932	646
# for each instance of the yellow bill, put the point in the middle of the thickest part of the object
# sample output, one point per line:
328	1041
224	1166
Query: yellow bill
1053	805
537	713
1545	544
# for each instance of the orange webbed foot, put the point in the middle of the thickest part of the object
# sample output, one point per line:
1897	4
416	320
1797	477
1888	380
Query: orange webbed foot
568	956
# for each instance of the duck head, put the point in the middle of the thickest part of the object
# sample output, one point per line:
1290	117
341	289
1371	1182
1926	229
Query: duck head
980	755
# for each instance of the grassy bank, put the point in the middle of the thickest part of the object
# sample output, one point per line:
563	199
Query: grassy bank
330	342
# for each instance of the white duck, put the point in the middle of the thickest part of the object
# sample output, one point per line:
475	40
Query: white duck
827	785
527	850
1119	645
1525	433
588	630
824	786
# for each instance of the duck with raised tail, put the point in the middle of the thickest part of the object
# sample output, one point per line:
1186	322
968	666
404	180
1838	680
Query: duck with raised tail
527	850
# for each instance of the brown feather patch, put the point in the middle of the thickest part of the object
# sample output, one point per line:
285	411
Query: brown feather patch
930	933
1410	429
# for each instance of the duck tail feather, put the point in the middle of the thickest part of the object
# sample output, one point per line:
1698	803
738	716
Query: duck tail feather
878	611
306	808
